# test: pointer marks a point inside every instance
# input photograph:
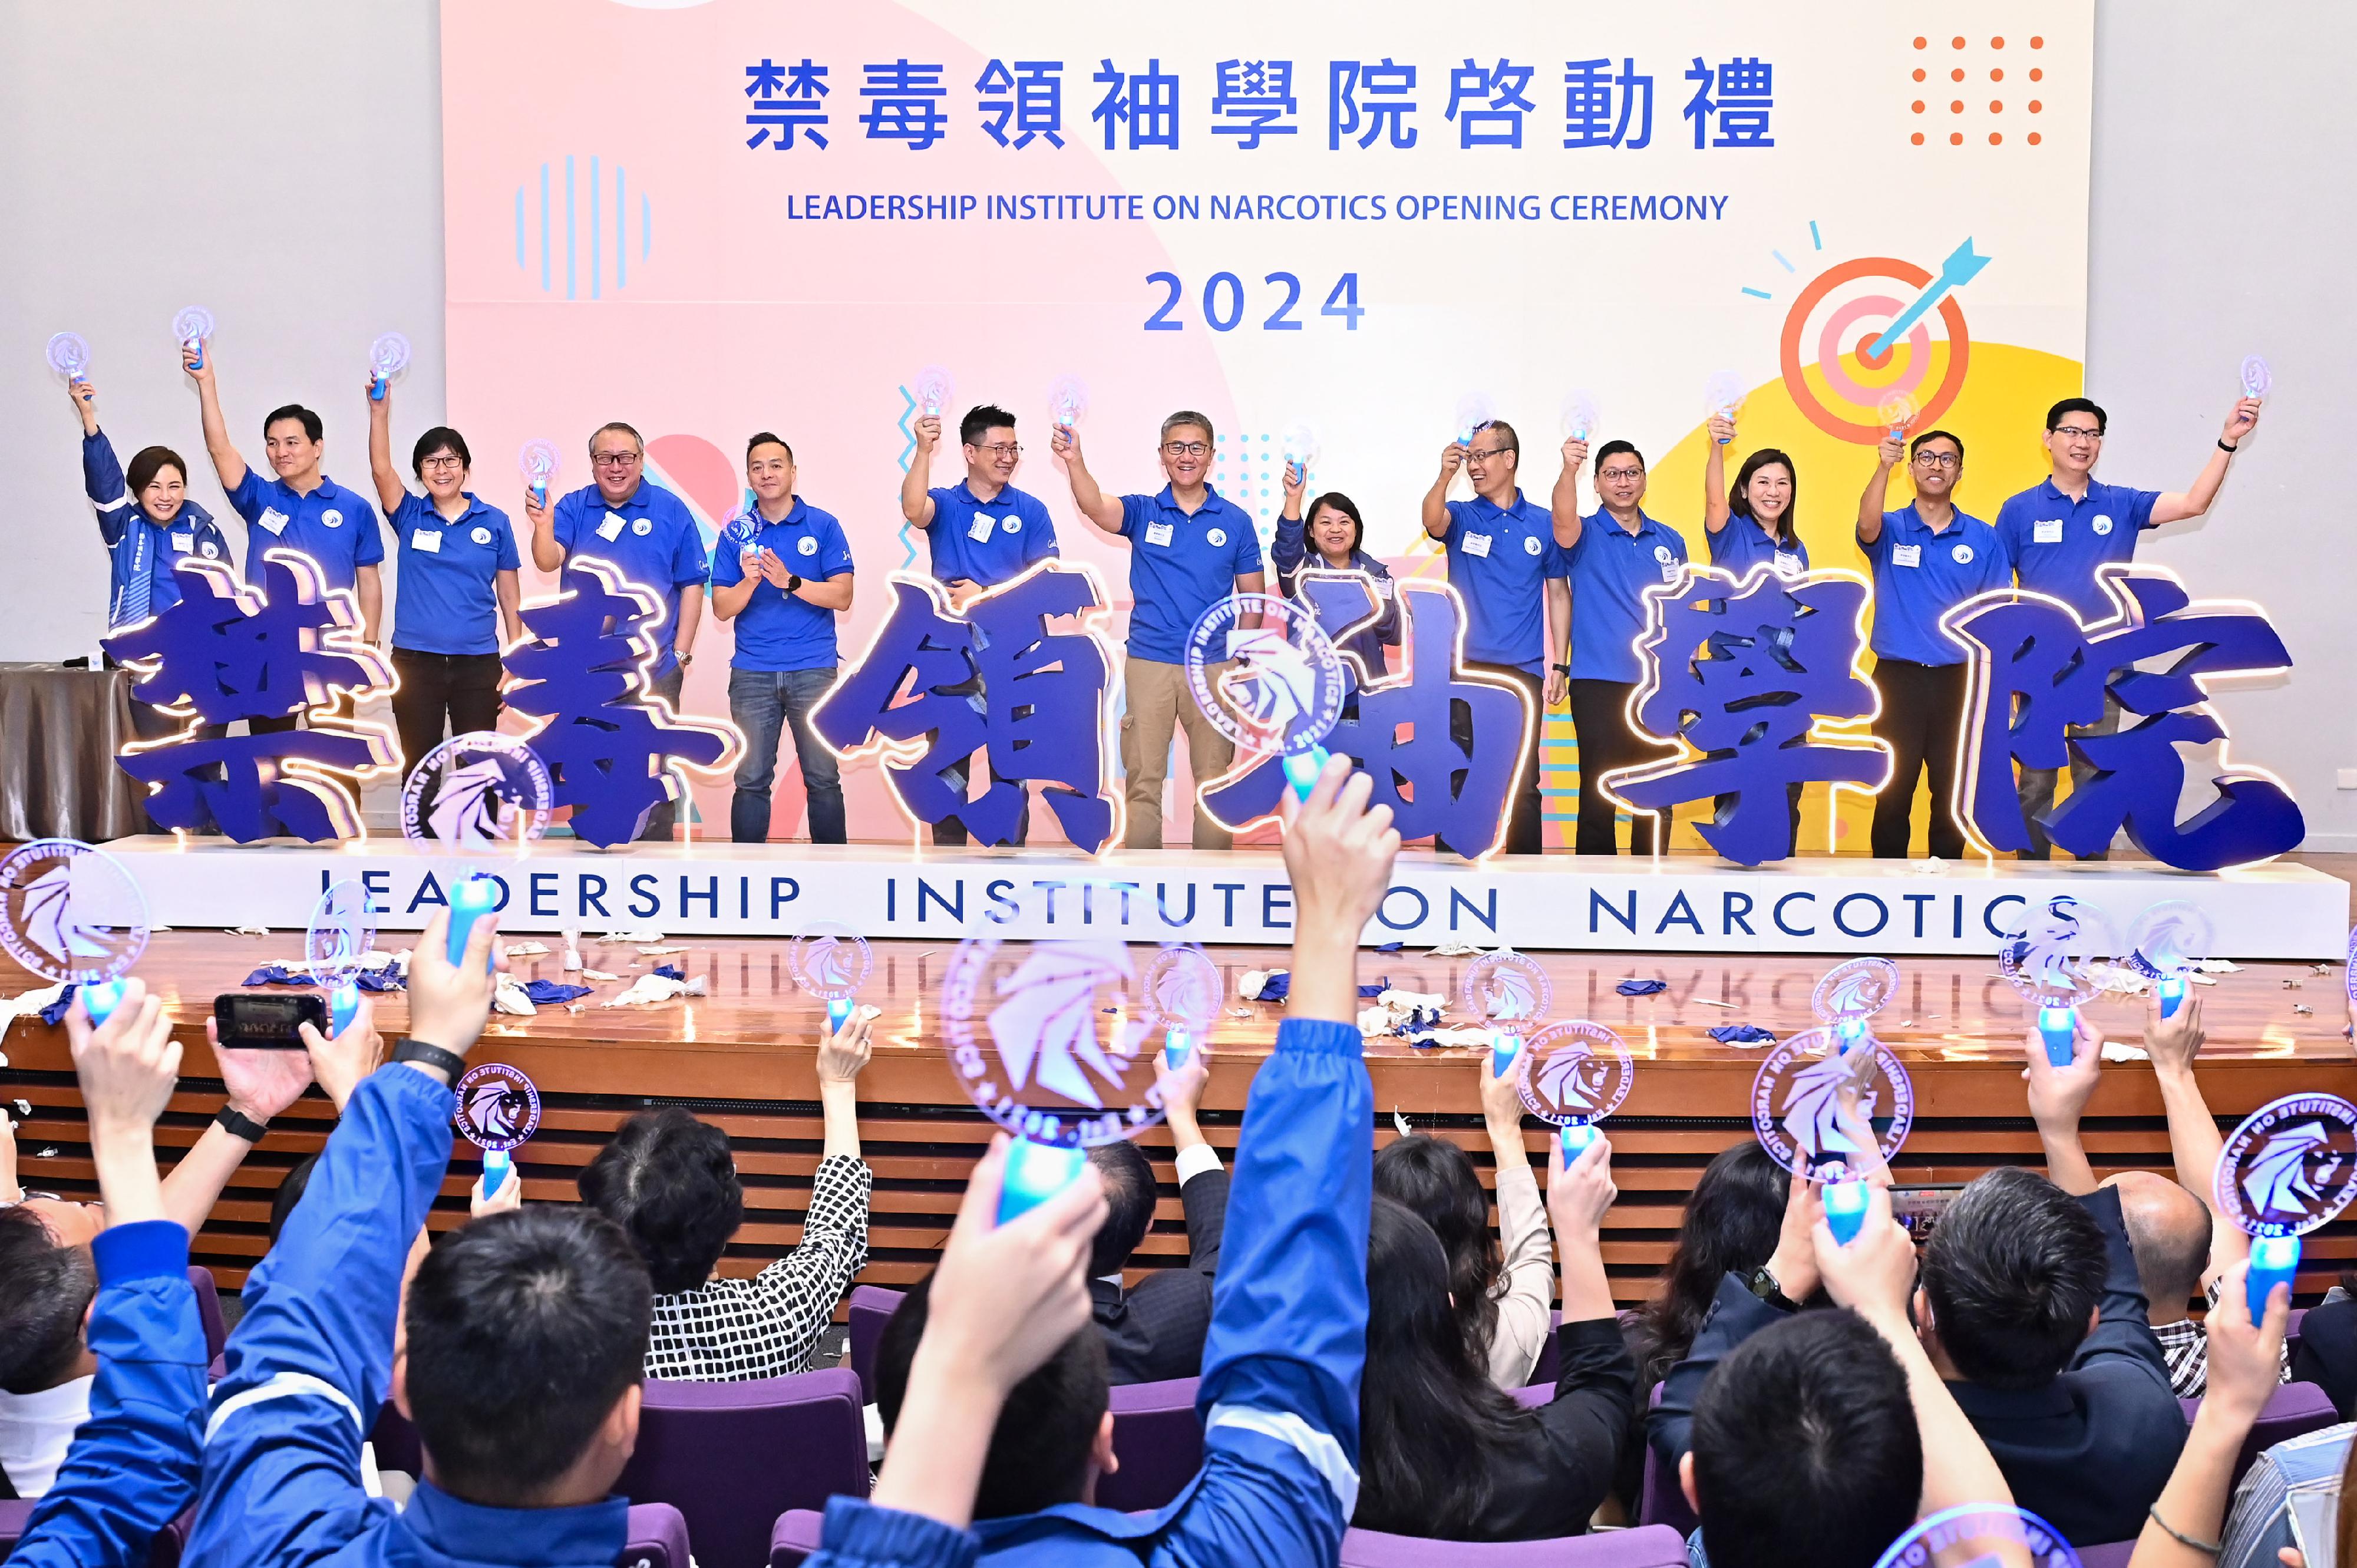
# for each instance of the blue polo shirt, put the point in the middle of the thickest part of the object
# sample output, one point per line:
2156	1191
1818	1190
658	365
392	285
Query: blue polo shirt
778	631
1500	559
1743	546
1180	566
445	600
652	539
2057	544
987	543
139	550
1611	570
1920	575
334	526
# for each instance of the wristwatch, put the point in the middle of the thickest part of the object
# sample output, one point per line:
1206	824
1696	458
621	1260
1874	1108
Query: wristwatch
1763	1285
1563	669
792	582
685	660
237	1125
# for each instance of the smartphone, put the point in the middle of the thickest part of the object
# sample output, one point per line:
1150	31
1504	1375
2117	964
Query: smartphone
267	1022
1919	1207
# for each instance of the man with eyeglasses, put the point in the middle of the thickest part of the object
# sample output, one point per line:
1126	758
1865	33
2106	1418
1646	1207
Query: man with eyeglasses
982	532
1189	547
645	533
2060	531
1505	565
1927	558
1615	554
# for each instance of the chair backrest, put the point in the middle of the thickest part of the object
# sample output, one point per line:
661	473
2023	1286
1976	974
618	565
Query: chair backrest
1648	1546
795	1537
1663	1500
657	1537
870	1307
733	1457
1548	1363
209	1311
2291	1335
2292	1411
1158	1439
2110	1554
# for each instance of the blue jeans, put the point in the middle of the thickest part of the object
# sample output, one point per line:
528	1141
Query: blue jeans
762	702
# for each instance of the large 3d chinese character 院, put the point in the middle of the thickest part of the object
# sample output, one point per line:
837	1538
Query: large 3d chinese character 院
1447	781
936	686
605	741
1741	678
2035	667
225	653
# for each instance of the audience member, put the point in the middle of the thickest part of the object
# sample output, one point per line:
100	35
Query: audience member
2243	1360
669	1182
1154	1330
1733	1217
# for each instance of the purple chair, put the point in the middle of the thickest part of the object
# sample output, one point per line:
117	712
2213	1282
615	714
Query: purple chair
1648	1546
1158	1439
2292	1411
2110	1554
1664	1501
657	1537
2291	1335
16	1512
733	1457
1549	1362
871	1306
795	1537
209	1311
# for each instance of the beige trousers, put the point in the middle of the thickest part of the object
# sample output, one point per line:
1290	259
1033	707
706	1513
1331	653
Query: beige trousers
1159	702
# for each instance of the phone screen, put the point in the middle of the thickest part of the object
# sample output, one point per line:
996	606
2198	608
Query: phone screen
1919	1207
267	1022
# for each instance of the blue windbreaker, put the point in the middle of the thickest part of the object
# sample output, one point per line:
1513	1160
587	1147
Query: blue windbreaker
139	550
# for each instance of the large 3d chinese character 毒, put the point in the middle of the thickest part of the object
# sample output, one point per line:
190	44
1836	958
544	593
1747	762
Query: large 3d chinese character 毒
1742	678
605	741
225	653
2034	668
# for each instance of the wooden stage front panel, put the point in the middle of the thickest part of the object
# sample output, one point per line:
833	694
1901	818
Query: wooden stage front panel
744	1057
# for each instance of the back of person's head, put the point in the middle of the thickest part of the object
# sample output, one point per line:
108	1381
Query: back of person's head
1128	1180
2168	1231
1047	1429
1428	1415
1805	1448
45	1290
1732	1221
524	1330
291	1189
2014	1271
1434	1180
669	1182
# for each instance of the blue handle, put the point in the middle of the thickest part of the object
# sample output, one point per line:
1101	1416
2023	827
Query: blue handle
1035	1173
838	1009
2172	995
1577	1136
101	998
497	1168
1303	768
2058	1025
1502	1048
343	1005
1849	1031
198	362
376	388
1845	1209
2273	1261
1175	1047
539	493
469	901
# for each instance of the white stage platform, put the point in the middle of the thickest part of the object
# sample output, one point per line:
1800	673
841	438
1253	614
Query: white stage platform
1678	904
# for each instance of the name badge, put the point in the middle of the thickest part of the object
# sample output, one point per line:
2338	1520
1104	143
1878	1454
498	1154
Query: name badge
2049	532
1476	544
274	520
1906	555
427	539
611	528
979	531
184	541
1382	587
1671	570
1787	565
1159	533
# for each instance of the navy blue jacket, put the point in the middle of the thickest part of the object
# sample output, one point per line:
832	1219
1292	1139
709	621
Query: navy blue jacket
136	545
1290	548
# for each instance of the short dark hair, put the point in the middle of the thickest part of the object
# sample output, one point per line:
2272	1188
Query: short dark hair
1612	449
291	1189
1949	436
981	419
149	461
1129	1203
525	1329
613	425
1739	494
1348	508
1505	433
767	438
299	414
1201	422
1805	1447
1039	1449
2014	1269
2077	405
441	438
669	1182
45	1289
1434	1180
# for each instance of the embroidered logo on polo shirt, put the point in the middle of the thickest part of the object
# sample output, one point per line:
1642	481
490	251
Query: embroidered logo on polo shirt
1962	554
1530	544
807	545
331	518
2103	524
1217	537
481	536
643	527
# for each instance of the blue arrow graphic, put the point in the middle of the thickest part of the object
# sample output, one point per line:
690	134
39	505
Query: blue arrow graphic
1961	267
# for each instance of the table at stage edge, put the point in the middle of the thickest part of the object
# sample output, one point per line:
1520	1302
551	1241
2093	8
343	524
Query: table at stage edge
58	776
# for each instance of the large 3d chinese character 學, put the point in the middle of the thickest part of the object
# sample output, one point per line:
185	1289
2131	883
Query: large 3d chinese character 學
605	741
1740	677
935	687
1441	784
225	653
2034	668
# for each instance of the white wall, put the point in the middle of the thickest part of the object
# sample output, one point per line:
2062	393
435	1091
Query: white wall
279	161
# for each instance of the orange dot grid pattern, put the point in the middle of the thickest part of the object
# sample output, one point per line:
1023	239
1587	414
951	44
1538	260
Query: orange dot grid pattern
1997	106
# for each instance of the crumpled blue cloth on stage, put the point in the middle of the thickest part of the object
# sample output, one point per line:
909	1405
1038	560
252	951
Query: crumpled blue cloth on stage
1641	987
548	993
1742	1035
276	974
1389	947
667	970
385	979
55	1012
1378	988
1276	987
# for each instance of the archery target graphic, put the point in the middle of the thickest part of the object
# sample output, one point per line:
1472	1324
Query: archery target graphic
1826	349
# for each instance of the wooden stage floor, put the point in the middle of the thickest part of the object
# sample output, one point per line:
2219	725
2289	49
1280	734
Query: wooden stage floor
744	1057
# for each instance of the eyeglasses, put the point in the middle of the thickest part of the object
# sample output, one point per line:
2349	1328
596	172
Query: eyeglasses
613	459
444	461
1937	460
1474	453
1012	449
1185	448
2078	431
1620	473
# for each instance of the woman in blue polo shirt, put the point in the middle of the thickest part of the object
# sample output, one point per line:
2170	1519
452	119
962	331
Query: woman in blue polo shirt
1332	541
455	598
1751	523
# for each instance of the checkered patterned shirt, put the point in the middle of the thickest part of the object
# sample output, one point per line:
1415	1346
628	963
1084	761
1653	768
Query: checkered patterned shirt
2185	1345
728	1330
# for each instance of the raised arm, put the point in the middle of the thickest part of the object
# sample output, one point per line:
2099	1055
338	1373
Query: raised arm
2175	506
1524	1306
1091	502
916	498
102	471
2193	1138
227	465
1562	506
1435	512
1721	431
2244	1357
390	491
261	1084
2058	1098
1290	546
540	513
1872	504
1203	1182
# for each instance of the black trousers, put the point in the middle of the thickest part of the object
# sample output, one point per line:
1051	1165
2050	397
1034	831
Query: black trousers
1523	808
462	689
1599	713
1922	715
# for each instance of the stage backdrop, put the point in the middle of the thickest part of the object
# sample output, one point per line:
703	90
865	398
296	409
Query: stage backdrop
713	219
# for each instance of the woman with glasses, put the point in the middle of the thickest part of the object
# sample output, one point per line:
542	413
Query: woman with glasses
456	595
1331	540
1751	523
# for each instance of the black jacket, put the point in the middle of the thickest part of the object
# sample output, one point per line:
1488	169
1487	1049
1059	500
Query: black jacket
1154	1331
2328	1353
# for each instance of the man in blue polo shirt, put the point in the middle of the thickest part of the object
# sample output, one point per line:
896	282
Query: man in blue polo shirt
1505	565
645	533
1615	553
782	573
1189	547
982	532
1928	558
2060	532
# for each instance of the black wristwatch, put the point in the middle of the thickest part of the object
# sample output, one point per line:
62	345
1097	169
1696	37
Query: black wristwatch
450	1062
792	582
238	1124
1763	1285
2224	447
1563	669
